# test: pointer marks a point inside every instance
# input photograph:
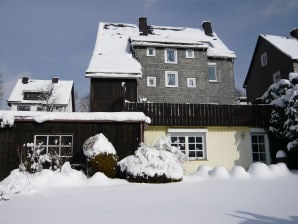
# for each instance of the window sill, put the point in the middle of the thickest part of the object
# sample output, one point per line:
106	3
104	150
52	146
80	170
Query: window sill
215	81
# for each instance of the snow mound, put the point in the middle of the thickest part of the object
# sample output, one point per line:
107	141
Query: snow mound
281	154
239	172
279	169
219	172
149	161
7	120
259	170
96	145
203	170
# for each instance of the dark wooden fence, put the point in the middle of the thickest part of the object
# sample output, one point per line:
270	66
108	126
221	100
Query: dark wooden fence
203	114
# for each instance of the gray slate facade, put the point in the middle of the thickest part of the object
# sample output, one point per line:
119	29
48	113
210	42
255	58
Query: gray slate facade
205	91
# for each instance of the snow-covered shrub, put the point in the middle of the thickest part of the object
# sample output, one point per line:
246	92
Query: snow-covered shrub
159	164
7	120
101	155
34	159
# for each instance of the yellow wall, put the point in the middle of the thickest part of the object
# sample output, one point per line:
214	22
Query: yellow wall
225	146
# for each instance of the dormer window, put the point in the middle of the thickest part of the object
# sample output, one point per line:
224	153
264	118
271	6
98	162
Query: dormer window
151	51
190	53
171	56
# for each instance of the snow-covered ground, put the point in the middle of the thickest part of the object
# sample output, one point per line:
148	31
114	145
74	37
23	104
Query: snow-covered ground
261	195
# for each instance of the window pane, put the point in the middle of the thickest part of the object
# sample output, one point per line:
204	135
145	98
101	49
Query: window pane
171	79
66	140
192	154
182	139
199	139
212	73
191	139
199	154
41	140
54	140
53	150
192	146
66	151
170	55
254	139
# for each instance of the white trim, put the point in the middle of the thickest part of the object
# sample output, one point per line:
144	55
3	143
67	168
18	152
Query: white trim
176	78
264	59
192	53
154	81
113	75
175	56
266	141
188	130
148	50
194	83
258	130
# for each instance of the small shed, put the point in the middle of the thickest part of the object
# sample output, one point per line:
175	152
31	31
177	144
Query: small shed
69	131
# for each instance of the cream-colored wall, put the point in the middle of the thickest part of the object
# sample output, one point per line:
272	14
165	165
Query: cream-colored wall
226	146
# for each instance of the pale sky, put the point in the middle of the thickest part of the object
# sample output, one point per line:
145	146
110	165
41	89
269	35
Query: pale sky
46	38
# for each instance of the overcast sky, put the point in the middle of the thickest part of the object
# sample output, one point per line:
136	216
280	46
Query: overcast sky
46	38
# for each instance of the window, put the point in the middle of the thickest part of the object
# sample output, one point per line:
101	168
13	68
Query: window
259	146
171	79
276	77
264	59
23	108
151	81
191	82
212	76
190	141
190	53
60	145
33	95
150	51
170	55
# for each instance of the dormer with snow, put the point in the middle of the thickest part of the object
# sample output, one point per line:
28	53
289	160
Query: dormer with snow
42	95
159	64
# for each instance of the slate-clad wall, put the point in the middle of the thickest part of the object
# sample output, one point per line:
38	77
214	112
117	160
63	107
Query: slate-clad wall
221	92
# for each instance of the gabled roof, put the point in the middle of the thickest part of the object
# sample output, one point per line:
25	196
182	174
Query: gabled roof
62	90
289	46
112	53
286	45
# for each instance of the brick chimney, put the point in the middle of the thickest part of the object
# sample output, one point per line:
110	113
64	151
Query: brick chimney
143	26
25	80
207	28
55	80
294	33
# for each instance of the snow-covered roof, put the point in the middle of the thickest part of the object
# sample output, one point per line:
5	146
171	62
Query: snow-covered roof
112	53
185	37
62	90
288	46
41	117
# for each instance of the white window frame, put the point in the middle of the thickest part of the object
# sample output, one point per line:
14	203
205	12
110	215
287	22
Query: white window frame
167	80
149	78
175	56
263	133
186	134
276	76
212	64
264	59
57	146
191	55
148	51
23	106
189	82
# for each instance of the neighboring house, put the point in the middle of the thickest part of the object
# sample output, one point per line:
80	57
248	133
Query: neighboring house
42	95
273	59
159	64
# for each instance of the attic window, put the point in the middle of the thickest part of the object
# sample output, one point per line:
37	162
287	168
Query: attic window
150	51
264	59
212	76
171	56
190	53
32	95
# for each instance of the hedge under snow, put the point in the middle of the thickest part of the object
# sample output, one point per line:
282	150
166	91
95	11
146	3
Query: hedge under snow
161	159
96	145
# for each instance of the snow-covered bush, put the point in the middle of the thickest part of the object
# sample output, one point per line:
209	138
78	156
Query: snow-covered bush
34	159
101	155
7	120
158	164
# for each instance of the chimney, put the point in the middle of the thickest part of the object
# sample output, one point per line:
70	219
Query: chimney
25	80
143	27
294	33
55	80
207	28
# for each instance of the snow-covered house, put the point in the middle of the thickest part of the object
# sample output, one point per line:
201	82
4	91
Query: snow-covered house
42	95
159	64
273	59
